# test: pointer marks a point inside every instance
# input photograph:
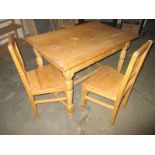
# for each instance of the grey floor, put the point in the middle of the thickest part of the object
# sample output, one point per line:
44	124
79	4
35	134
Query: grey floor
16	116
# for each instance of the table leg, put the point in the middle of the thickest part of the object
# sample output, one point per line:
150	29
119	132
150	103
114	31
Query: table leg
122	56
69	93
39	58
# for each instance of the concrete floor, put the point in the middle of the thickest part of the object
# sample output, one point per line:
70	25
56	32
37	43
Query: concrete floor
16	116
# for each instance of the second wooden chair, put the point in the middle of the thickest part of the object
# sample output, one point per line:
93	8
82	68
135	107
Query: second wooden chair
111	84
44	80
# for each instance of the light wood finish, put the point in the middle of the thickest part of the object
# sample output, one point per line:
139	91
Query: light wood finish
79	80
105	81
69	48
39	59
111	84
44	80
63	102
50	100
122	56
99	102
73	49
69	92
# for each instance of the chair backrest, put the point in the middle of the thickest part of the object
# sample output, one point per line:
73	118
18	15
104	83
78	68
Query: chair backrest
133	69
17	58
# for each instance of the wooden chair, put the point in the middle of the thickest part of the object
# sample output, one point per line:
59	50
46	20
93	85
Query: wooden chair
111	84
44	80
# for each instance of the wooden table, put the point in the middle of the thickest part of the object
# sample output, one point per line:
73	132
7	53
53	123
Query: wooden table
73	49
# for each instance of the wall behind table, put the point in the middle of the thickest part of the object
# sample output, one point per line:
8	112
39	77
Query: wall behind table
20	32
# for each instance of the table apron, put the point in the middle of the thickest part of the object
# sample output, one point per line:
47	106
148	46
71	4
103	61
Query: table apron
96	59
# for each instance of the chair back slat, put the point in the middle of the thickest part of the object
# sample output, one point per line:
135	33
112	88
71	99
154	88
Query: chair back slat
133	69
17	58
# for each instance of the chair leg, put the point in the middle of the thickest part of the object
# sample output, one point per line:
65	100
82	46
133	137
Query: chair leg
125	99
34	107
114	112
83	104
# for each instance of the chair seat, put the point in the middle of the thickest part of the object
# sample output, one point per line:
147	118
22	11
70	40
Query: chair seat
46	79
105	82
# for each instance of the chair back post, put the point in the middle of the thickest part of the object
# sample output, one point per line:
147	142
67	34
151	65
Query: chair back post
133	69
17	58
